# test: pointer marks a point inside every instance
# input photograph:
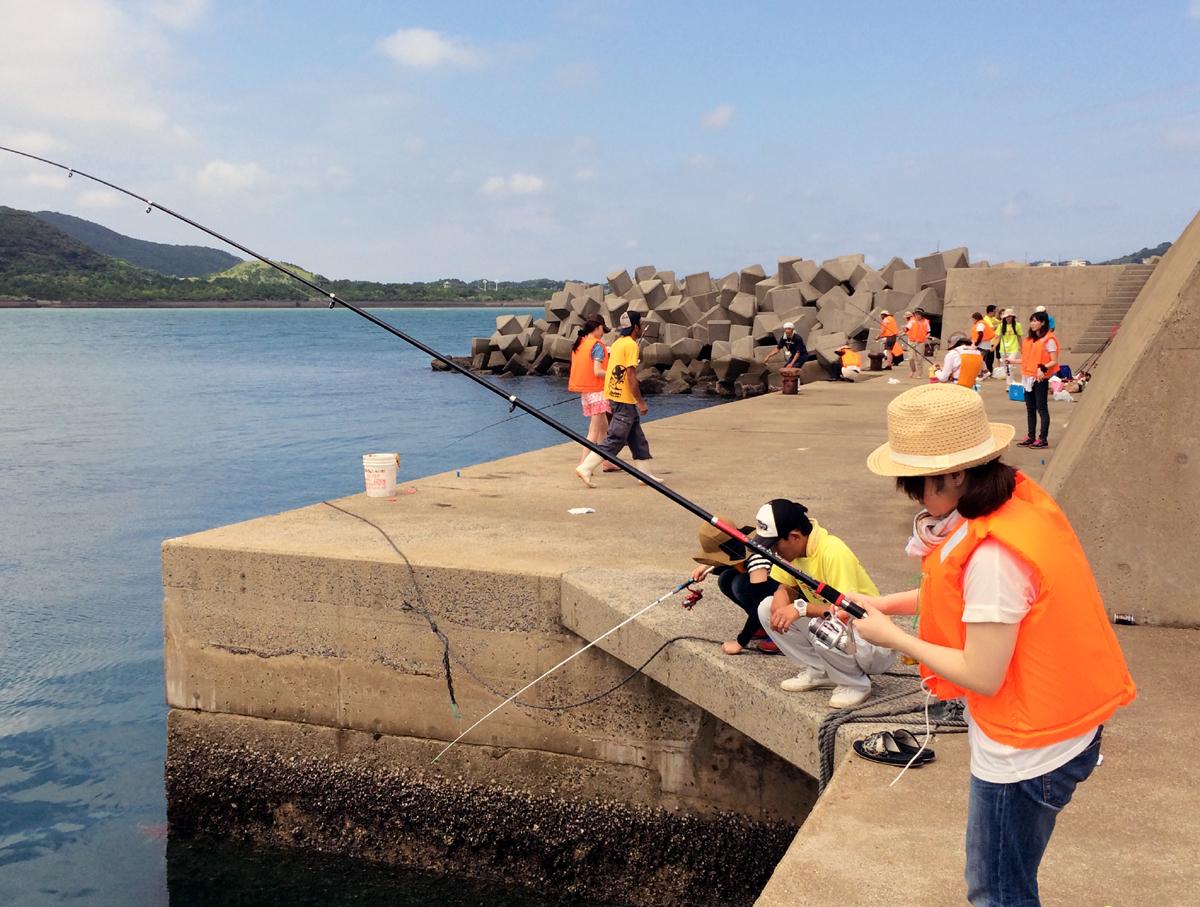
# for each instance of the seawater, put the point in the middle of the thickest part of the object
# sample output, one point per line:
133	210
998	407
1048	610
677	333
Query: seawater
121	428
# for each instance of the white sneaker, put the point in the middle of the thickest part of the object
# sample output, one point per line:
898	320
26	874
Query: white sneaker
804	681
848	697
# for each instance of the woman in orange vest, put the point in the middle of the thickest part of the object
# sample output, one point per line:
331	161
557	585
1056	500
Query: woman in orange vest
963	364
1039	363
917	329
1009	620
589	359
889	333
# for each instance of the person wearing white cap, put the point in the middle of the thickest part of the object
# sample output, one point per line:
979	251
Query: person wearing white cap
795	353
1009	336
1010	620
1049	318
784	526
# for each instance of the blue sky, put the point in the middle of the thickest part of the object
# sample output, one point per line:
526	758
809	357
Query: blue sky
410	141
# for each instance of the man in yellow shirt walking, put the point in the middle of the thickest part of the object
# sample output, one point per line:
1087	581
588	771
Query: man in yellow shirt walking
624	394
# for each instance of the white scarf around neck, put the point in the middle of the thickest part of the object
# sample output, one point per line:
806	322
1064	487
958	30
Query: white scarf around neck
929	532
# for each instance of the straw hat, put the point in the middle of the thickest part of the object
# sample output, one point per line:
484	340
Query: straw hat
935	429
711	553
1008	313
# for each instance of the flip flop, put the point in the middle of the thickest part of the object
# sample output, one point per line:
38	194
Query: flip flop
882	747
909	744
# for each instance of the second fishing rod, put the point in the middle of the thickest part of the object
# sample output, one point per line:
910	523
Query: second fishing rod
831	595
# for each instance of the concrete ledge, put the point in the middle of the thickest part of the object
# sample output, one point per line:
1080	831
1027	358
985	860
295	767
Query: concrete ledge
1128	837
742	690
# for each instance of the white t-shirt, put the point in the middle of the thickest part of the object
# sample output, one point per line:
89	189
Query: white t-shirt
998	587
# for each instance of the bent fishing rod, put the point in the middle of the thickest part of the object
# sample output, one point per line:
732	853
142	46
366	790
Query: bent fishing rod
825	591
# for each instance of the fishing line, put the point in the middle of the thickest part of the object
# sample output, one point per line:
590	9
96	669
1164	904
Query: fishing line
477	431
824	590
448	653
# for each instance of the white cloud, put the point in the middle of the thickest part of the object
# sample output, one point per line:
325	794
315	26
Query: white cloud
99	198
46	179
414	144
1193	10
422	48
178	13
31	140
631	244
1010	210
586	174
718	117
84	66
517	184
1182	138
222	177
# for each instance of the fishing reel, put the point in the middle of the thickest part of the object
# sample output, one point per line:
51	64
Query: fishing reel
832	633
695	593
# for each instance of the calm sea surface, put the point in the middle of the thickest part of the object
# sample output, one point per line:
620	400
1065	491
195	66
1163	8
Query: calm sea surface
119	429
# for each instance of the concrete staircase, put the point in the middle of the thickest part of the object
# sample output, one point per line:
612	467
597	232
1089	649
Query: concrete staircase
1120	297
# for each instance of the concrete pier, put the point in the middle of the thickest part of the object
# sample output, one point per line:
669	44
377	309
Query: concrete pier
296	664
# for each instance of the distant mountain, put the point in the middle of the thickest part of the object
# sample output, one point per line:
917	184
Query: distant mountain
174	261
38	260
1135	258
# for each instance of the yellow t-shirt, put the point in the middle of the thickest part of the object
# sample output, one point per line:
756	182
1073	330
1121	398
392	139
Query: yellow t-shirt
621	358
831	561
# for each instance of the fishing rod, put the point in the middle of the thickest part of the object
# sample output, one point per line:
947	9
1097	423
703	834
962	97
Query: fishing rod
824	590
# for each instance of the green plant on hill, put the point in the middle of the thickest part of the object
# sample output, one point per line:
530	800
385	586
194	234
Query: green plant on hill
171	260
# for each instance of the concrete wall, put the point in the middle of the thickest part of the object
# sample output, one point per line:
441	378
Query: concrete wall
315	655
1128	472
1072	295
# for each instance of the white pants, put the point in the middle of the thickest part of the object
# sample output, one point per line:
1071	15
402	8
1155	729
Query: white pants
842	668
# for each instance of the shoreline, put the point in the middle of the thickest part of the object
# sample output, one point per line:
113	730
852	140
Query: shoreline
268	304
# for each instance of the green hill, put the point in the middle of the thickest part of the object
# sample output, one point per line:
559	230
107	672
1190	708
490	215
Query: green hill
38	260
174	261
1135	258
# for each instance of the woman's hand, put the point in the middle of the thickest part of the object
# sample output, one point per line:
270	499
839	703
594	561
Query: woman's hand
701	573
875	601
877	627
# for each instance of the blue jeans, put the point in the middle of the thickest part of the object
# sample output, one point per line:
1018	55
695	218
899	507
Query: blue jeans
1009	826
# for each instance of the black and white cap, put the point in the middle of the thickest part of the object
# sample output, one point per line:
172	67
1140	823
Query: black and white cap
628	321
779	518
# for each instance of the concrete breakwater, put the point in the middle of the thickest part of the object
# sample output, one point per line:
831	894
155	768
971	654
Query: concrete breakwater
308	699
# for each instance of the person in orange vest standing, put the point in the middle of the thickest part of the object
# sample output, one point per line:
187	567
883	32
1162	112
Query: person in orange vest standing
889	337
1039	363
963	364
589	359
1010	620
917	330
982	335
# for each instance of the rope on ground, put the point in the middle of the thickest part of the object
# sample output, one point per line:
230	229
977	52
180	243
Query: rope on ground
951	722
448	653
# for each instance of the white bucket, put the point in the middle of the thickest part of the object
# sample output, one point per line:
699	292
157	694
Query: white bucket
379	472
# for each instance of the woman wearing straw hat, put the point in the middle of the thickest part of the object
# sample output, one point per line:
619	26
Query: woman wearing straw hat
1009	619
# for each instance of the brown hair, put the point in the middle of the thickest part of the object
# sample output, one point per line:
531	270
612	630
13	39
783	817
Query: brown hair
988	487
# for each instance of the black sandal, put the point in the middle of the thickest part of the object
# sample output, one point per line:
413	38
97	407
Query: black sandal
883	747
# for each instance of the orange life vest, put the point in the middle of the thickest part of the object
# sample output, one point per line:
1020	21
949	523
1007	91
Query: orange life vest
971	364
583	378
850	357
1035	353
897	349
986	334
918	330
1067	673
888	327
